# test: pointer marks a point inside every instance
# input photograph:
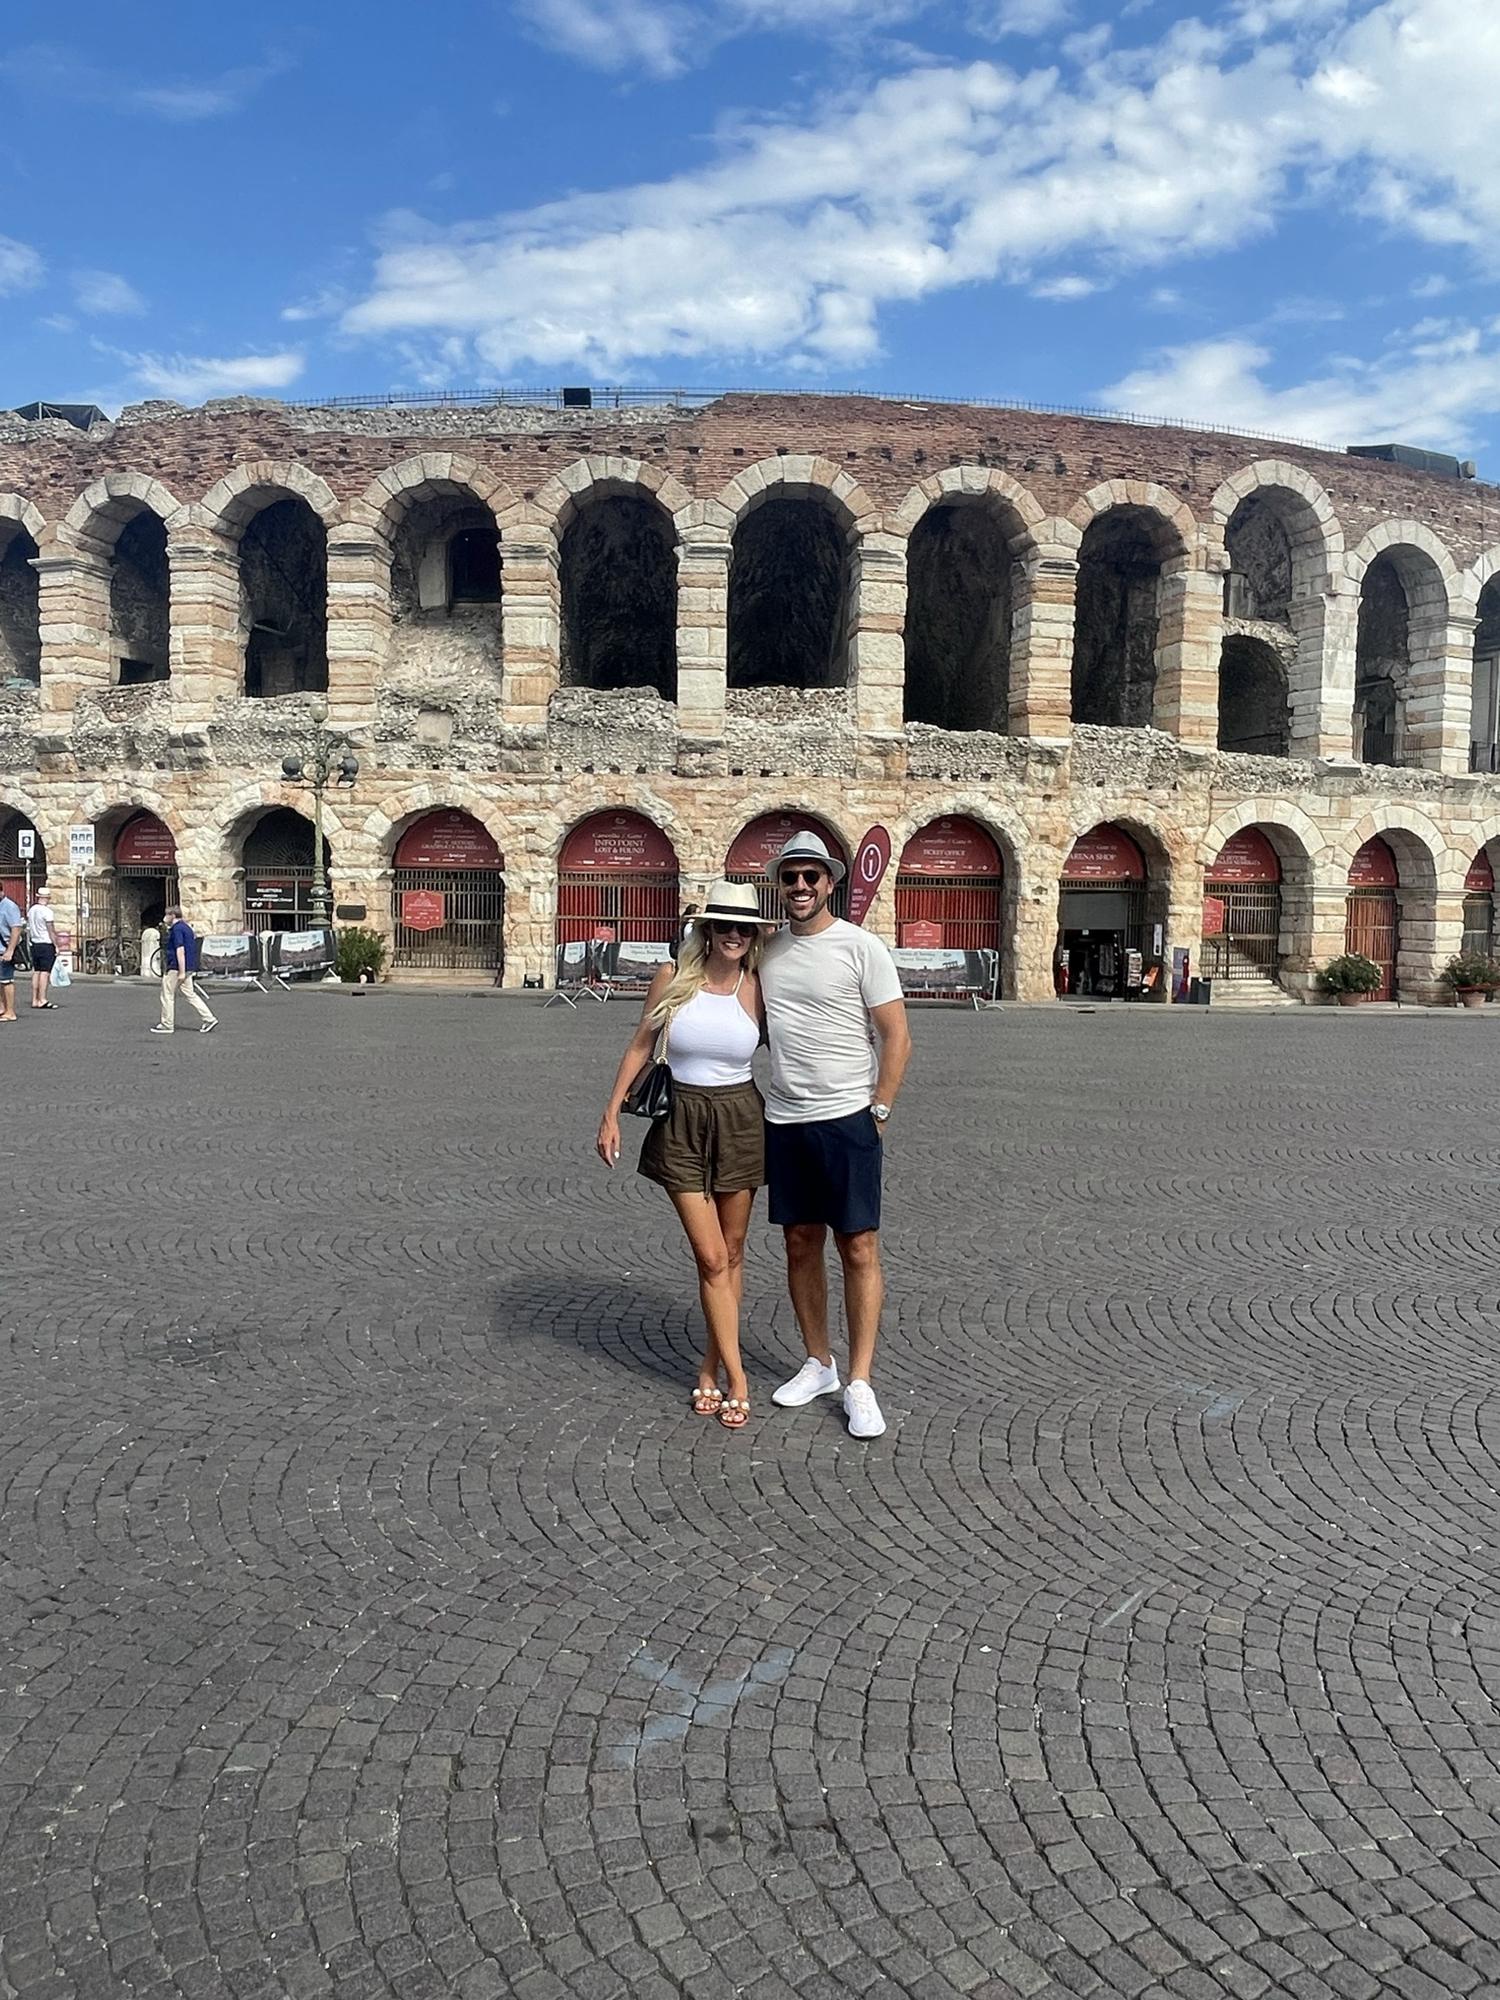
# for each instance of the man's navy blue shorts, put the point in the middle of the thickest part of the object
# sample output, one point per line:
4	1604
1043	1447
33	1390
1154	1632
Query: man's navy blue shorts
826	1171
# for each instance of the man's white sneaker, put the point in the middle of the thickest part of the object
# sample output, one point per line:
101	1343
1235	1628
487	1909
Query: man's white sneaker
863	1412
813	1378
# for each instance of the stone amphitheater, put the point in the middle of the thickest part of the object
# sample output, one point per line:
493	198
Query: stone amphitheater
1116	690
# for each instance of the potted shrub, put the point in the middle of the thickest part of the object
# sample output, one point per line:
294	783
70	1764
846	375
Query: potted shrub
1471	977
1350	978
359	956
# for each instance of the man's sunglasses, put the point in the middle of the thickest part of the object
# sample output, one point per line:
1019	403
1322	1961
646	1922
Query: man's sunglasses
810	877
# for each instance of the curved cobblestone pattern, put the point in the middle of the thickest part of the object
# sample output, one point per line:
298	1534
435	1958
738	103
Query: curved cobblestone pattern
377	1620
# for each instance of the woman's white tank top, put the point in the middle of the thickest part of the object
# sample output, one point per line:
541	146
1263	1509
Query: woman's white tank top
712	1041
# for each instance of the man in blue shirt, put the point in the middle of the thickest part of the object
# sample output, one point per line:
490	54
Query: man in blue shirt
12	923
179	962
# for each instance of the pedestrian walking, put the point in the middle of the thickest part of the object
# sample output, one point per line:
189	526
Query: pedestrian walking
41	936
179	965
703	1019
832	997
12	924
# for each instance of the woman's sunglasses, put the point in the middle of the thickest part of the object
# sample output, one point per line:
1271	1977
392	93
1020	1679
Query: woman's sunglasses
731	930
810	877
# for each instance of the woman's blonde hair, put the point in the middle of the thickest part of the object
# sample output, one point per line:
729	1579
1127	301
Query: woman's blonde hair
692	970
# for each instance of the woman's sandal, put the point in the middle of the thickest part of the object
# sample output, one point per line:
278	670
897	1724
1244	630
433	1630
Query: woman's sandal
706	1401
734	1413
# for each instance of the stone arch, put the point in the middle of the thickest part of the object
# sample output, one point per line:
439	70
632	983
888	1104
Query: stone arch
970	482
1289	829
22	529
234	500
98	802
1163	886
966	528
617	555
799	476
400	487
1404	577
1178	535
103	509
1019	890
385	825
1420	848
1307	513
1246	933
223	841
605	476
1127	549
546	842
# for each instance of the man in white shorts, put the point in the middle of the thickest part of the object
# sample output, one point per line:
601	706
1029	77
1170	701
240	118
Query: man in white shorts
832	996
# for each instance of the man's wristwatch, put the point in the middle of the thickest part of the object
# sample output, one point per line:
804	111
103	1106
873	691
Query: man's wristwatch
880	1112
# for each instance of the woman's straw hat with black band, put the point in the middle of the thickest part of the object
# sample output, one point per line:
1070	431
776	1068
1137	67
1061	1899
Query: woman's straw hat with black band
733	903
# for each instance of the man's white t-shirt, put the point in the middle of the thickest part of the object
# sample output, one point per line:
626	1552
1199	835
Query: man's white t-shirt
818	992
38	917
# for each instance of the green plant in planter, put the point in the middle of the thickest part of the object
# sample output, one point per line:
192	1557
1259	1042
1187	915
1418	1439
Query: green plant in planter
359	951
1352	972
1471	972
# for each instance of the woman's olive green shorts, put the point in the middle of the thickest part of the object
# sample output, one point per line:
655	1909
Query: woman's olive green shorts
712	1142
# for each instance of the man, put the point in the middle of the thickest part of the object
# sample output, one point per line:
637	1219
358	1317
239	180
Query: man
832	995
179	961
11	922
41	933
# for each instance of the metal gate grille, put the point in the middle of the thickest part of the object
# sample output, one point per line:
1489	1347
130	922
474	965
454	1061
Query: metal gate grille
635	909
112	910
769	896
1248	947
473	929
1370	928
968	907
1479	925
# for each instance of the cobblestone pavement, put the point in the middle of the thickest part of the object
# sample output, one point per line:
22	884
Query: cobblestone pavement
376	1619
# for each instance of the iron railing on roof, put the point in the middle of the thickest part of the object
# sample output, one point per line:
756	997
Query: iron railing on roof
626	398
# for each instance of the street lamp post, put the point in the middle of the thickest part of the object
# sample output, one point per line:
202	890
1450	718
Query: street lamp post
331	762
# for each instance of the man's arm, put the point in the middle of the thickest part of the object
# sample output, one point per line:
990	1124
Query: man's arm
893	1039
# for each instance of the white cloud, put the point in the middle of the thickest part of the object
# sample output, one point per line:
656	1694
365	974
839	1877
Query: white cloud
191	377
60	72
1020	17
795	235
1428	386
663	38
21	267
106	292
1065	288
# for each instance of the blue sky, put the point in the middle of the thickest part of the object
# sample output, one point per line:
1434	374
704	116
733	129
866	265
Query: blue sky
1281	214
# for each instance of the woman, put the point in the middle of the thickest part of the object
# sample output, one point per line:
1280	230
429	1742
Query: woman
709	1154
41	935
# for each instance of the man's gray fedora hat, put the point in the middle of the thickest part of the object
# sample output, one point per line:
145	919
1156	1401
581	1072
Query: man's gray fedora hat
808	847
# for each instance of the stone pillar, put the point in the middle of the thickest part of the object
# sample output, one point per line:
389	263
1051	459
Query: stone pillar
703	556
1045	591
1329	911
1189	637
1439	697
530	918
73	592
877	650
1035	942
205	645
359	623
1322	693
530	625
1431	931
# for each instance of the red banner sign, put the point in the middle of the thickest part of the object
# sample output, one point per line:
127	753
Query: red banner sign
424	909
448	839
921	935
1105	854
756	846
1246	856
871	860
1481	876
950	847
1215	912
144	842
1374	867
617	843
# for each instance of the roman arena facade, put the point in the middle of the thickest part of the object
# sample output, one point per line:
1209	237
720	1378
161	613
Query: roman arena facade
1176	687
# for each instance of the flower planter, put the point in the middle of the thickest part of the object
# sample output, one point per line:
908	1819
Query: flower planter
1473	996
1353	999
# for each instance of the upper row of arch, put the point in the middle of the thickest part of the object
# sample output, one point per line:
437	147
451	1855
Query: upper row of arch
98	514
